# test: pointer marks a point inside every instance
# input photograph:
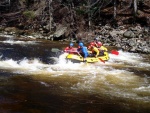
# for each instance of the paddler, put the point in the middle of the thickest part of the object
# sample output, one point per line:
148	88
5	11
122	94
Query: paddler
100	46
97	43
83	51
70	49
94	50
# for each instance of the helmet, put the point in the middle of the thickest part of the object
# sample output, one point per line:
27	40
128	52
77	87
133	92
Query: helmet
81	44
71	44
96	38
99	43
92	44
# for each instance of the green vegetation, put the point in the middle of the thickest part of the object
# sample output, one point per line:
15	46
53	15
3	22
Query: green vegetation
29	14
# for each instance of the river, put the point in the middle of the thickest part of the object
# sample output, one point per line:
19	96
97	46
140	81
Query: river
33	80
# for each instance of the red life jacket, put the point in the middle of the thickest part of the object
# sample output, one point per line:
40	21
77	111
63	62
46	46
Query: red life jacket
70	50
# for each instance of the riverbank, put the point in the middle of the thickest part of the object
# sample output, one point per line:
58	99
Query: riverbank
128	38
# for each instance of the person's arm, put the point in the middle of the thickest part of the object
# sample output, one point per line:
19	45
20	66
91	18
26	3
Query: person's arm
97	51
104	48
79	50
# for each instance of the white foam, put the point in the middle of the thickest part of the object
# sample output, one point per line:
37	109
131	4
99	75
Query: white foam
126	57
96	78
12	42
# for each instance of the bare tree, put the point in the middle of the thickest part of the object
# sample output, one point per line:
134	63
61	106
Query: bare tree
8	2
135	8
50	15
89	14
115	10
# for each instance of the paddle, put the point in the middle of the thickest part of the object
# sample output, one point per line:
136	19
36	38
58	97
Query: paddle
80	55
55	50
101	60
115	52
70	51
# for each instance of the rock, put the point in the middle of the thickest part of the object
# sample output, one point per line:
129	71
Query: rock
114	32
133	49
132	42
129	34
60	31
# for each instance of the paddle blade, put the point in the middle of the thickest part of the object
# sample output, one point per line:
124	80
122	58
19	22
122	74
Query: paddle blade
55	50
101	60
114	52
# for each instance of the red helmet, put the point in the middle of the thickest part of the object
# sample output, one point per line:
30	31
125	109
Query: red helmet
92	44
99	44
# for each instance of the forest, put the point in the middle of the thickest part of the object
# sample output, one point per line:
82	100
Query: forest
76	14
74	19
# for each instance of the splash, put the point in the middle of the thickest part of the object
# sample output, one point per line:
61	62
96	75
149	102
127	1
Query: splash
61	64
100	79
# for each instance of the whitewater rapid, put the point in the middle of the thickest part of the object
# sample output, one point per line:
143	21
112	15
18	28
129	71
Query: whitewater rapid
121	77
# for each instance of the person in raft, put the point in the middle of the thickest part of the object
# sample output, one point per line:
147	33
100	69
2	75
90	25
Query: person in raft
70	49
83	51
94	50
100	47
97	43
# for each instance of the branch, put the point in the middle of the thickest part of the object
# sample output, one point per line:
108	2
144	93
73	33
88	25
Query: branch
130	4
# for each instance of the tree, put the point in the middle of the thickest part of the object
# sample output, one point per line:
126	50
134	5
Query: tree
89	14
135	8
50	15
8	2
115	10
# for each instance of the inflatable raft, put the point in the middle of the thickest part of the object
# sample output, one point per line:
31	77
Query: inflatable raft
78	58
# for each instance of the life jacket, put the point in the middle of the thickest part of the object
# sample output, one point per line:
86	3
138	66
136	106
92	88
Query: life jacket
70	50
95	51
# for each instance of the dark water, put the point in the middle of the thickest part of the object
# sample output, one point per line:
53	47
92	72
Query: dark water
32	82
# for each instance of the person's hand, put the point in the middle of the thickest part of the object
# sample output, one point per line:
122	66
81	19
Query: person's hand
84	59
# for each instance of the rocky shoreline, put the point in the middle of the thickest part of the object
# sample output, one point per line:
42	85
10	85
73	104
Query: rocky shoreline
128	38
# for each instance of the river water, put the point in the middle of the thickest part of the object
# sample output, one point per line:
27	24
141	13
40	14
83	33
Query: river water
34	80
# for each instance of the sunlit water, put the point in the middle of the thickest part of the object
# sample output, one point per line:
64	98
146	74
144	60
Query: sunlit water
34	80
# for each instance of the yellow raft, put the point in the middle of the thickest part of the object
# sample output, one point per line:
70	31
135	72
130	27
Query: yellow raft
78	58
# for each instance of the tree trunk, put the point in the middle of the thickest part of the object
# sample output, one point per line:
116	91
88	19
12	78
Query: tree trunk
115	10
134	11
50	16
89	14
135	7
9	2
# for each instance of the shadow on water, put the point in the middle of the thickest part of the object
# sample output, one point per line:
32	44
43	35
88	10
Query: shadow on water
17	97
30	52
